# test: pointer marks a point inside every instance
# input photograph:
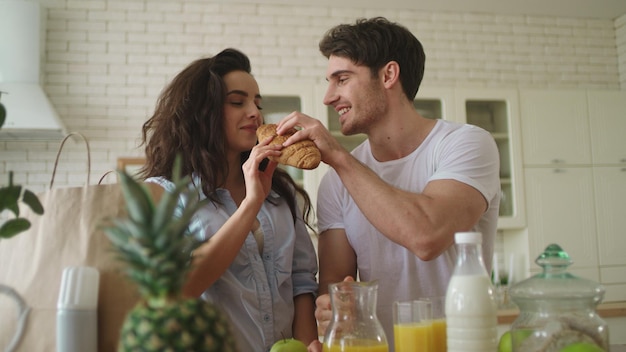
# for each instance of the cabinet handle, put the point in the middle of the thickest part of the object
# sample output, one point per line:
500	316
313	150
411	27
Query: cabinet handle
559	171
622	160
557	161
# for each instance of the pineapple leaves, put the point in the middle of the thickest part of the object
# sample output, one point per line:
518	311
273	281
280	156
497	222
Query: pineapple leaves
154	240
167	206
138	199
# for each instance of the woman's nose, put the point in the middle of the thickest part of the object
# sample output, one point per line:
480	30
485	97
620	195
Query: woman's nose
255	113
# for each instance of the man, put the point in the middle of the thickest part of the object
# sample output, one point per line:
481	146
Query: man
389	210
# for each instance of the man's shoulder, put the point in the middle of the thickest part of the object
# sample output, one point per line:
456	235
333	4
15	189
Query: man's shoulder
453	129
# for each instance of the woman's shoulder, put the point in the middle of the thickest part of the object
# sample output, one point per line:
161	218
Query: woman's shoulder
161	181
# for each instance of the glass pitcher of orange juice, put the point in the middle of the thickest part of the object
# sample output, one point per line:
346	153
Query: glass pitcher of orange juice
354	326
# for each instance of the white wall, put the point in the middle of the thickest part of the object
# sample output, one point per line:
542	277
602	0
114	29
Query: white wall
106	62
620	40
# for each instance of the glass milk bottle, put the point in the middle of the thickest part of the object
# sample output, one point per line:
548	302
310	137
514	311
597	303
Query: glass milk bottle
471	309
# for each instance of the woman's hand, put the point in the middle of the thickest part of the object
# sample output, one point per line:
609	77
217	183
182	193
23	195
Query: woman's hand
259	182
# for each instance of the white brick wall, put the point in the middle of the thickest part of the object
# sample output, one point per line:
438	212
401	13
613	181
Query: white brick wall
106	62
620	39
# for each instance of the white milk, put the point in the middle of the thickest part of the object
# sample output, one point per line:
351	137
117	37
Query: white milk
471	314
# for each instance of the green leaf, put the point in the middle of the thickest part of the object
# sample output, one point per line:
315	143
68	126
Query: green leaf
9	197
117	235
14	226
32	201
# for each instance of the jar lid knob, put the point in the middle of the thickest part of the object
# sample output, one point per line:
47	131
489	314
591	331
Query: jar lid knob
553	256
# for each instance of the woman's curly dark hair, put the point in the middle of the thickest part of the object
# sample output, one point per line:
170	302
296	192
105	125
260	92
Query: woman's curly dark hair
189	121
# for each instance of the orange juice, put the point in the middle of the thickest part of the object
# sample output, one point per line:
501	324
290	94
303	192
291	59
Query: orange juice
358	346
413	337
439	335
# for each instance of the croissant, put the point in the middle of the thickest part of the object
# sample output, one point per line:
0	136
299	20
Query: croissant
302	154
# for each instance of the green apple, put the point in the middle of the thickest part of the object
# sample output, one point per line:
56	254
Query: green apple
506	341
582	347
288	345
505	344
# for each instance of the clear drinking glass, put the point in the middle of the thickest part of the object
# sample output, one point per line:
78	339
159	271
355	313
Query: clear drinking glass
413	326
503	277
438	305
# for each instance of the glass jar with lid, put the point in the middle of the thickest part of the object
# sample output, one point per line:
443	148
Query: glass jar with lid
557	308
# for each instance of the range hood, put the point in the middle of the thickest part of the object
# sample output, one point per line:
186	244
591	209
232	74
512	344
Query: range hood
30	115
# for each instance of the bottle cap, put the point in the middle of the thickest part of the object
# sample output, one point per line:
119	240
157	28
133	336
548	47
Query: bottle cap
468	237
79	288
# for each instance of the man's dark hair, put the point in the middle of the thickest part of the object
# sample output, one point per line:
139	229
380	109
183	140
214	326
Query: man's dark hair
375	42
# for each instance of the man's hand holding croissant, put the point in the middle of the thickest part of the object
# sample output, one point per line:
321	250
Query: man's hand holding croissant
303	154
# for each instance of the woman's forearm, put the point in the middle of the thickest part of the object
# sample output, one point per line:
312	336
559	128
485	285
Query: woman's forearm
304	324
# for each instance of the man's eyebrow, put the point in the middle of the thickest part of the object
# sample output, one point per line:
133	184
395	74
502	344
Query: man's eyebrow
338	73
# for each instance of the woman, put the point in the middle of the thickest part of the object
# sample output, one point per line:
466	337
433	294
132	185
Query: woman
257	262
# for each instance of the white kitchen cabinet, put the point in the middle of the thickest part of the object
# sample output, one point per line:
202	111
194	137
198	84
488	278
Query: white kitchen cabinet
435	103
555	127
612	278
583	173
607	122
497	111
561	210
610	204
581	209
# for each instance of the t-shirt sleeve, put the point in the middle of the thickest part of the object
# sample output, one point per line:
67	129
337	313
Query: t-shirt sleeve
470	155
329	209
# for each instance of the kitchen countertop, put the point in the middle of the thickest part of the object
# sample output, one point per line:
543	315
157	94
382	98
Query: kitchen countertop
605	310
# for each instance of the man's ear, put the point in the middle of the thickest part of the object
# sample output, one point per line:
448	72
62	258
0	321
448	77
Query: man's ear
390	74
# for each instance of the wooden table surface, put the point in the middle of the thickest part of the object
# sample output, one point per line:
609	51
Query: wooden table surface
605	310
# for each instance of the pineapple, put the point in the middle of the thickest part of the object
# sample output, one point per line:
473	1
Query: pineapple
153	243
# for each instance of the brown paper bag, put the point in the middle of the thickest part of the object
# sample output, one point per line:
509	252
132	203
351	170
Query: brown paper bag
67	234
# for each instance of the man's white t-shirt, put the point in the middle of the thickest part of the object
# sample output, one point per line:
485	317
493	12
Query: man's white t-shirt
461	152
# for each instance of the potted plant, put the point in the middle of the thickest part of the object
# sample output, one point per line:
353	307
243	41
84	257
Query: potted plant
11	195
10	198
